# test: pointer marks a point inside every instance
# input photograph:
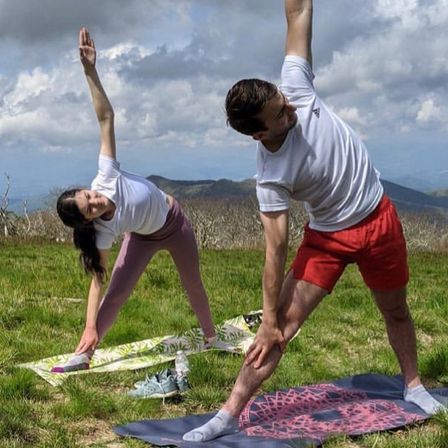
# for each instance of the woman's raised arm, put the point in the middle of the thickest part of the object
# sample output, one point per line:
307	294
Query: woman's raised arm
103	108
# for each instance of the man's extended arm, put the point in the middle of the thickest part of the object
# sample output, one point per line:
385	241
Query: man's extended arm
299	18
276	235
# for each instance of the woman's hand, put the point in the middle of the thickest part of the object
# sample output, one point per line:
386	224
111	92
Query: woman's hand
87	52
89	340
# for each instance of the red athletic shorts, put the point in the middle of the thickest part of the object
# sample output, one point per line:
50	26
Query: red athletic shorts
376	244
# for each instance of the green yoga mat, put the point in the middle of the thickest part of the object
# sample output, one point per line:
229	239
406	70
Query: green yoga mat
238	334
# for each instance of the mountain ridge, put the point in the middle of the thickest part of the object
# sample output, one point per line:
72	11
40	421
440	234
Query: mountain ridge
404	197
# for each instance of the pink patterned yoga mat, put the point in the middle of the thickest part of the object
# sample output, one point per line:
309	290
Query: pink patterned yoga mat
301	416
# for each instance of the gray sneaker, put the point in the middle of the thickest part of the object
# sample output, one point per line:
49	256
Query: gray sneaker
157	386
151	378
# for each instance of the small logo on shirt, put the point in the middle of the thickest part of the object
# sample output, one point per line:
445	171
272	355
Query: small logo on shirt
317	112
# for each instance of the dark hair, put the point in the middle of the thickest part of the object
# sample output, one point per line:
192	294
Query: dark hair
244	101
83	233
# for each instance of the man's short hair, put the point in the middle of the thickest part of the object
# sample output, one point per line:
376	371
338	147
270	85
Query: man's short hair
244	101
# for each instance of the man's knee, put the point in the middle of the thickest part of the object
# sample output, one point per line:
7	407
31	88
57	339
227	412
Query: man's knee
396	313
392	304
288	322
299	301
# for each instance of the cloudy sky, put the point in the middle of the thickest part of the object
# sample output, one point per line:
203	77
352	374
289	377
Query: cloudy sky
167	65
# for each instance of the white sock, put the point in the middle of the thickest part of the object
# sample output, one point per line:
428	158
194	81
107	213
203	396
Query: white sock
77	362
216	343
221	424
423	399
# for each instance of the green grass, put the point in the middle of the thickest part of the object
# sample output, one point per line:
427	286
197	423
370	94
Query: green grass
39	318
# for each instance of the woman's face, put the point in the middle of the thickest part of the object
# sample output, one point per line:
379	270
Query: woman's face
91	204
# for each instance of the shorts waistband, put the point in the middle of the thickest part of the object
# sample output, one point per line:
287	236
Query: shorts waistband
382	206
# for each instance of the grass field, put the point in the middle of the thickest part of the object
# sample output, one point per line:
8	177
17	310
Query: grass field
40	317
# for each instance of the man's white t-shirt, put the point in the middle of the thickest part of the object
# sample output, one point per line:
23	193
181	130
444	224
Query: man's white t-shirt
140	206
322	161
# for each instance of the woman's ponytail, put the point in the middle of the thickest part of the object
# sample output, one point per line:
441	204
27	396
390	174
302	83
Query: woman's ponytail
84	239
83	233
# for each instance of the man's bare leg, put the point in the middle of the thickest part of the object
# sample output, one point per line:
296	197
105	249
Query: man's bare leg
301	298
298	300
401	333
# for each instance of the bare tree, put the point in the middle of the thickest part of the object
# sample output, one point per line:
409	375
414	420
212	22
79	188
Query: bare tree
219	224
6	217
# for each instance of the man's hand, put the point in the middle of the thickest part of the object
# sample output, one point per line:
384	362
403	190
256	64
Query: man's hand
299	17
87	52
267	336
89	340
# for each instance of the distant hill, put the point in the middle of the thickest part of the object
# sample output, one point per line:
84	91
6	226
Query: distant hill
405	198
210	189
414	200
439	193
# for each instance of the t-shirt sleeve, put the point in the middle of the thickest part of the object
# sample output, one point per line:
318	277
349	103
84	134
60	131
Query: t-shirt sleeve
108	168
104	240
272	198
297	80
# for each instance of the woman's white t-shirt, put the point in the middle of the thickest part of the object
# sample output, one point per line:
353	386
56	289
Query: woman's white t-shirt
322	161
140	206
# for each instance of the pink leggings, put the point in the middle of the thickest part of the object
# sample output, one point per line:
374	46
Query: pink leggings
177	237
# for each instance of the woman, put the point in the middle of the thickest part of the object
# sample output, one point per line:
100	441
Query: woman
123	203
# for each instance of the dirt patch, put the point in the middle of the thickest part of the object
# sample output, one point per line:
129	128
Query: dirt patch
92	432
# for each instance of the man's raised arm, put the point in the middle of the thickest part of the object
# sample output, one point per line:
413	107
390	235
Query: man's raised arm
299	18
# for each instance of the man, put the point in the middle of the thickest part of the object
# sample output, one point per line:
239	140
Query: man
306	152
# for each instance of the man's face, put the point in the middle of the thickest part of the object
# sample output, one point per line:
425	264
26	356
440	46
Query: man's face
91	204
278	116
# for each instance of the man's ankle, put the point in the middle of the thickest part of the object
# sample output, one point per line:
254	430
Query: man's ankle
413	382
231	411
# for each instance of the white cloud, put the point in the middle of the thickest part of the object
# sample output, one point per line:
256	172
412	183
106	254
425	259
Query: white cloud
430	112
369	85
427	111
28	84
351	115
406	11
382	74
124	49
167	69
54	107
